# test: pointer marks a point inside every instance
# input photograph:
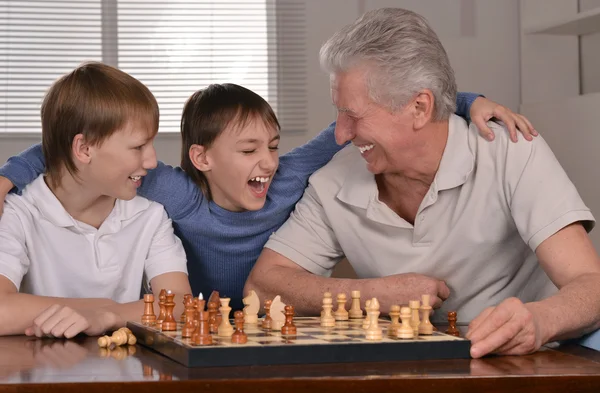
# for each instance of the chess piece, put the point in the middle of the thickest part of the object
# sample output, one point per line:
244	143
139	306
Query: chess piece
355	310
189	315
425	327
405	330
327	319
162	296
277	316
119	337
414	317
214	297
252	305
289	329
201	335
213	326
225	329
169	324
373	332
185	301
341	314
239	337
267	322
198	306
452	329
367	321
148	318
394	316
326	295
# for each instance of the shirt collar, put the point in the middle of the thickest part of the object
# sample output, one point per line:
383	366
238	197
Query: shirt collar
359	187
51	208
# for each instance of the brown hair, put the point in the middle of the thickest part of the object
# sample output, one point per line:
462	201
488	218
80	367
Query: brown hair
208	112
94	100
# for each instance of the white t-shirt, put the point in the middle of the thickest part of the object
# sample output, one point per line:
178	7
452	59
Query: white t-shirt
46	252
489	207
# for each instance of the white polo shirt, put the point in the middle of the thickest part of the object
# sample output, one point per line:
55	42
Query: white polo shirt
46	252
489	207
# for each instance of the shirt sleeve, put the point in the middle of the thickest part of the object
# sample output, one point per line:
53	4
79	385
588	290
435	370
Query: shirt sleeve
166	252
543	198
307	237
14	259
306	159
172	188
463	104
25	167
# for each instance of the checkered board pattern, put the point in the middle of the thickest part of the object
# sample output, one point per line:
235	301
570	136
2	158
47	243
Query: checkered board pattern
312	344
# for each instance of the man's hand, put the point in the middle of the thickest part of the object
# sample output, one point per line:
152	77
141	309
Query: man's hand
5	186
401	288
483	110
511	328
62	321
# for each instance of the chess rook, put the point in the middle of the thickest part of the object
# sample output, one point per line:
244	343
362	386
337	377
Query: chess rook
148	318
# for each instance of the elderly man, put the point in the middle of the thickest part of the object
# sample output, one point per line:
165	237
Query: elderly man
487	229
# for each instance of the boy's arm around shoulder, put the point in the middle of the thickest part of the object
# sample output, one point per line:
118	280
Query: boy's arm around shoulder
24	168
306	159
172	188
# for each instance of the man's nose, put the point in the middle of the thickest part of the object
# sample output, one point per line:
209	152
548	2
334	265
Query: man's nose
343	132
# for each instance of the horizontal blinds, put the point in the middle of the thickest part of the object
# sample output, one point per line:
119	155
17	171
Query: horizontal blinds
174	47
39	42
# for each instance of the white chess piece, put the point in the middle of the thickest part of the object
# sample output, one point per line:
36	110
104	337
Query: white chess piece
277	313
252	303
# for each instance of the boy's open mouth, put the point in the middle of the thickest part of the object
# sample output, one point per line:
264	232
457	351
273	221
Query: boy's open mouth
257	184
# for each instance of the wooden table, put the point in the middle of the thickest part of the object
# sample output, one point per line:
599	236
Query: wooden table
28	365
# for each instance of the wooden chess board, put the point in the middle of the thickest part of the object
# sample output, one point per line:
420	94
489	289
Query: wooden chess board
312	344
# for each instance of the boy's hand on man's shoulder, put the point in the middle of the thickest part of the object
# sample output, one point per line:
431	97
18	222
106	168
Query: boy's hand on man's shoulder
5	187
63	321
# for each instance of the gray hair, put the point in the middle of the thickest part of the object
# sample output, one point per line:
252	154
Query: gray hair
402	56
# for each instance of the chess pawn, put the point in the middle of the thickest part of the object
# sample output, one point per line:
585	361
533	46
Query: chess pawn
148	318
452	330
289	329
414	317
341	314
185	302
394	316
425	327
374	331
327	319
225	329
169	324
405	330
267	322
201	335
162	296
326	295
355	310
239	337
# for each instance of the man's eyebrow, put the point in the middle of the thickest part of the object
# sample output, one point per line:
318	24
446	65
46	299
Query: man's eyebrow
346	110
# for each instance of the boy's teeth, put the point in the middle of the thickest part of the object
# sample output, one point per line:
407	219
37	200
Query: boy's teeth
260	179
135	178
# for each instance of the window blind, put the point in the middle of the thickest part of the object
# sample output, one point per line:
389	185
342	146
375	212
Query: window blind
174	47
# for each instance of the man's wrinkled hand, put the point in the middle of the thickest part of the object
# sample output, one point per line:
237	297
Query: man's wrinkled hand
511	328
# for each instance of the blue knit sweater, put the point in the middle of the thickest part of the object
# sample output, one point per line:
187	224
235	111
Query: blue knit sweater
221	246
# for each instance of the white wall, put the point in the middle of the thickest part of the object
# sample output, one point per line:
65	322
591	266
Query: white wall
481	37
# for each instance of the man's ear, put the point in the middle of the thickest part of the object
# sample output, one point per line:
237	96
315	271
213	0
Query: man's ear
81	150
199	159
423	105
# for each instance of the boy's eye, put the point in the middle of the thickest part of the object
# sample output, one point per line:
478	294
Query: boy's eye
248	151
139	147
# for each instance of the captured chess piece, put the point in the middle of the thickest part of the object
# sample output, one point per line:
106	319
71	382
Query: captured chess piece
239	337
225	329
169	324
119	337
452	329
267	322
289	329
201	335
252	305
355	310
148	318
341	314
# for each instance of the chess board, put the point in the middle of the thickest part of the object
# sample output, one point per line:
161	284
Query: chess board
312	344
